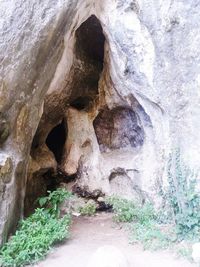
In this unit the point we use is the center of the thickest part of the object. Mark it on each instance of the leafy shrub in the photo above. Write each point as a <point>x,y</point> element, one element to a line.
<point>183,198</point>
<point>53,201</point>
<point>125,210</point>
<point>150,235</point>
<point>143,226</point>
<point>145,213</point>
<point>88,209</point>
<point>36,234</point>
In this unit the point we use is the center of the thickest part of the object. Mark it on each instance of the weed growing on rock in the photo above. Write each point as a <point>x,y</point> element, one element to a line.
<point>88,209</point>
<point>38,233</point>
<point>183,198</point>
<point>124,210</point>
<point>53,201</point>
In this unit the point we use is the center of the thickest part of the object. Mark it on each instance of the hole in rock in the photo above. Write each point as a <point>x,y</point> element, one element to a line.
<point>83,90</point>
<point>118,129</point>
<point>81,103</point>
<point>90,40</point>
<point>56,140</point>
<point>89,52</point>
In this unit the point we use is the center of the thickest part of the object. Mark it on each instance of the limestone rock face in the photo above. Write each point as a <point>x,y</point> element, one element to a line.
<point>99,91</point>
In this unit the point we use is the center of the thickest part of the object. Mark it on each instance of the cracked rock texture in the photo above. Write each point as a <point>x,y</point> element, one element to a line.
<point>115,84</point>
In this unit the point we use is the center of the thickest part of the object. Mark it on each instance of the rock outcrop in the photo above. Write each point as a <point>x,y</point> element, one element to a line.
<point>99,90</point>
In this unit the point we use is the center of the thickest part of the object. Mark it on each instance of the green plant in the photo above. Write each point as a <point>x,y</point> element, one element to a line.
<point>168,227</point>
<point>36,235</point>
<point>53,201</point>
<point>88,209</point>
<point>143,226</point>
<point>127,210</point>
<point>124,210</point>
<point>151,235</point>
<point>183,198</point>
<point>145,213</point>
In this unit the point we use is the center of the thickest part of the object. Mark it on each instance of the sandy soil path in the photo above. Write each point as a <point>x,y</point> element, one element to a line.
<point>90,233</point>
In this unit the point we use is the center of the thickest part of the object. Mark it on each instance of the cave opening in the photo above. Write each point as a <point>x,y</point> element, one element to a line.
<point>82,93</point>
<point>56,140</point>
<point>81,103</point>
<point>88,63</point>
<point>90,40</point>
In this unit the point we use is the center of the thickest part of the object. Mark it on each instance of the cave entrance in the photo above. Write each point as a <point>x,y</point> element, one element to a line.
<point>88,63</point>
<point>81,94</point>
<point>81,103</point>
<point>56,140</point>
<point>90,40</point>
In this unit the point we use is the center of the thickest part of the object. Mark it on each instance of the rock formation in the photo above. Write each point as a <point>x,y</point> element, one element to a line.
<point>97,91</point>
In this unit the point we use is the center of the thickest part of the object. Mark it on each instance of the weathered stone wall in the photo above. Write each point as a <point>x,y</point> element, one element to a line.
<point>151,66</point>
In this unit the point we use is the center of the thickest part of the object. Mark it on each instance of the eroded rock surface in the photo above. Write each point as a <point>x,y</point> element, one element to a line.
<point>121,77</point>
<point>118,129</point>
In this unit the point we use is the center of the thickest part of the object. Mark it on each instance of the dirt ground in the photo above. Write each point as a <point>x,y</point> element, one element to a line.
<point>90,233</point>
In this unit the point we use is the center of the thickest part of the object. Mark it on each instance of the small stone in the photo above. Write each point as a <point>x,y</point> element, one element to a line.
<point>77,214</point>
<point>196,252</point>
<point>101,199</point>
<point>6,170</point>
<point>108,256</point>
